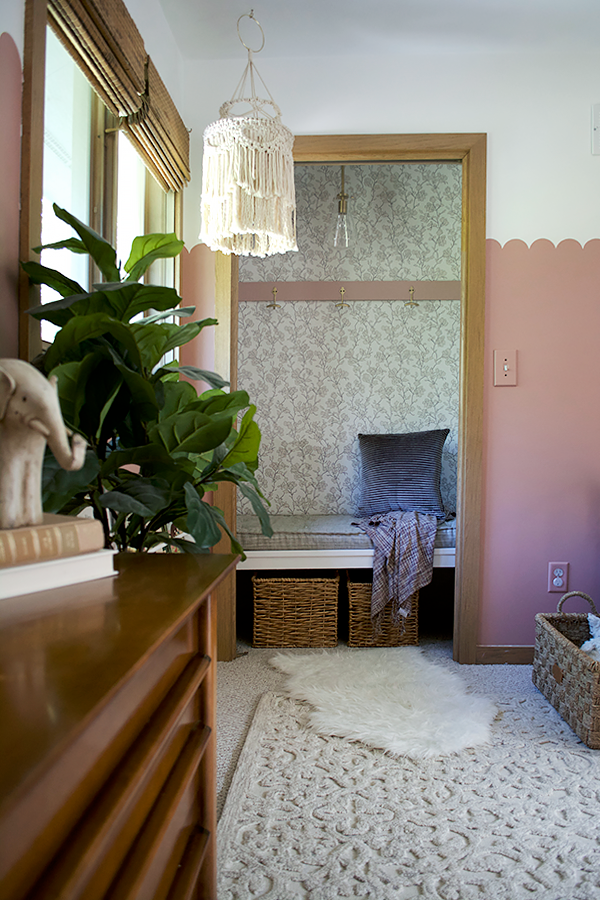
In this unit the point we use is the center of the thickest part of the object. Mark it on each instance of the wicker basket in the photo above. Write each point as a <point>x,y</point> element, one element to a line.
<point>567,677</point>
<point>295,612</point>
<point>361,632</point>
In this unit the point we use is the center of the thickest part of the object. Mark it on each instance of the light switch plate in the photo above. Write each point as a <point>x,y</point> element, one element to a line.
<point>505,368</point>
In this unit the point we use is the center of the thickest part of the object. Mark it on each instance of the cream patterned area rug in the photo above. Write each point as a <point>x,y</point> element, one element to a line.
<point>393,699</point>
<point>309,816</point>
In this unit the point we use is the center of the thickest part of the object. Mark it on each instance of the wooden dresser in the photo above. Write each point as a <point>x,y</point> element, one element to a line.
<point>107,735</point>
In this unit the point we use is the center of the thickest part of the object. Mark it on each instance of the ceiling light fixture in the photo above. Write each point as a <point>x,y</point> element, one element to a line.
<point>248,194</point>
<point>342,237</point>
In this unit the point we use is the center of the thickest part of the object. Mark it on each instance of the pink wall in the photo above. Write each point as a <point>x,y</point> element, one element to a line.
<point>10,135</point>
<point>542,437</point>
<point>198,289</point>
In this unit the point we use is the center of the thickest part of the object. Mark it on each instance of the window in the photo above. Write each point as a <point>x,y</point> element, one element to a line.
<point>71,178</point>
<point>96,75</point>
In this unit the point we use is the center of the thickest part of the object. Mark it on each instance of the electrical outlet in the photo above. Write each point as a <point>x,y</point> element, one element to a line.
<point>558,577</point>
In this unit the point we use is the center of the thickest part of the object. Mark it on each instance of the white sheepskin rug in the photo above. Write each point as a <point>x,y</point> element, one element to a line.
<point>390,698</point>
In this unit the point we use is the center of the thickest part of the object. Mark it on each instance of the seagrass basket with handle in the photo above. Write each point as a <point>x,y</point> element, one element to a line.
<point>567,676</point>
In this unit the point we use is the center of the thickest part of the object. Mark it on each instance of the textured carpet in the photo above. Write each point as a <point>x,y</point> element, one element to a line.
<point>393,699</point>
<point>314,817</point>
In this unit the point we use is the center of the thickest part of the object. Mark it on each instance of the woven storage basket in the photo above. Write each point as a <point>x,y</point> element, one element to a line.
<point>361,632</point>
<point>295,612</point>
<point>567,677</point>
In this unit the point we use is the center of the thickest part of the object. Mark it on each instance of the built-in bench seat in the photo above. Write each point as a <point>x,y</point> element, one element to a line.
<point>322,542</point>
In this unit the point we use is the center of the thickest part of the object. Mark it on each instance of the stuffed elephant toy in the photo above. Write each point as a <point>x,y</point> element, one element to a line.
<point>30,418</point>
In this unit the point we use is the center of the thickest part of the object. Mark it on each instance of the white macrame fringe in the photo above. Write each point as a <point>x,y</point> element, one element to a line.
<point>248,192</point>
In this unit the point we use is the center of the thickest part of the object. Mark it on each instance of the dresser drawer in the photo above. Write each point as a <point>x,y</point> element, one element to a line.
<point>101,839</point>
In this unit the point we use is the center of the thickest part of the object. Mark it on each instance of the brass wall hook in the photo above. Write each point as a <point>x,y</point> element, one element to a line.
<point>274,304</point>
<point>412,301</point>
<point>342,303</point>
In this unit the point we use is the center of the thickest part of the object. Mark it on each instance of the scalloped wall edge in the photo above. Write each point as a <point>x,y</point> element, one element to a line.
<point>546,244</point>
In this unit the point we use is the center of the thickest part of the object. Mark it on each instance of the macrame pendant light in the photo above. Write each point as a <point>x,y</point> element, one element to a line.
<point>248,194</point>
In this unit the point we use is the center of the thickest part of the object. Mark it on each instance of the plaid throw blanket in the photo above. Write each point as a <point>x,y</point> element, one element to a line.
<point>402,558</point>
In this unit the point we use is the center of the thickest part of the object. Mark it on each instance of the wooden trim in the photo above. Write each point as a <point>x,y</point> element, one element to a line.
<point>226,352</point>
<point>32,154</point>
<point>512,655</point>
<point>329,291</point>
<point>470,426</point>
<point>470,149</point>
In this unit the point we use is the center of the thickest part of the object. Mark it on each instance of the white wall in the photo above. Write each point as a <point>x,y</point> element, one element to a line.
<point>154,27</point>
<point>536,109</point>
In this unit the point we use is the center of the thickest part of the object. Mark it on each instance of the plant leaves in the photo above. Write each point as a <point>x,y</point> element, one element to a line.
<point>134,456</point>
<point>100,250</point>
<point>39,274</point>
<point>236,547</point>
<point>195,374</point>
<point>201,522</point>
<point>60,486</point>
<point>182,311</point>
<point>212,402</point>
<point>73,244</point>
<point>147,248</point>
<point>258,507</point>
<point>178,395</point>
<point>191,432</point>
<point>83,328</point>
<point>140,496</point>
<point>245,448</point>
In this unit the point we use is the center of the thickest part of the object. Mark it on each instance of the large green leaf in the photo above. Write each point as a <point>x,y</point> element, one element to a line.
<point>258,507</point>
<point>177,397</point>
<point>201,522</point>
<point>181,334</point>
<point>60,486</point>
<point>142,394</point>
<point>100,250</point>
<point>67,376</point>
<point>84,328</point>
<point>191,432</point>
<point>182,311</point>
<point>196,374</point>
<point>236,547</point>
<point>212,402</point>
<point>140,496</point>
<point>150,296</point>
<point>119,502</point>
<point>151,340</point>
<point>246,446</point>
<point>72,244</point>
<point>147,248</point>
<point>39,274</point>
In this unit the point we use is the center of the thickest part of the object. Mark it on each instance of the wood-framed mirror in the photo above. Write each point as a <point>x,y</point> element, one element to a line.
<point>470,151</point>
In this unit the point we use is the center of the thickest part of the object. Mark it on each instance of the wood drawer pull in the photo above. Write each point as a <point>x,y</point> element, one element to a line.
<point>101,840</point>
<point>134,870</point>
<point>185,881</point>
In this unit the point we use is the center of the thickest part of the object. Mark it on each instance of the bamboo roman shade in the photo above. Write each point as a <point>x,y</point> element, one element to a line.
<point>103,39</point>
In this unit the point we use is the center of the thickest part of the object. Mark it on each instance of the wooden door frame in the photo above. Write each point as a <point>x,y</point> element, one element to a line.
<point>470,151</point>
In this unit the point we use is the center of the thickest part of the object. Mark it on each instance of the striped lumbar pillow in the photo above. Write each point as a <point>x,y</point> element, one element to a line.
<point>402,471</point>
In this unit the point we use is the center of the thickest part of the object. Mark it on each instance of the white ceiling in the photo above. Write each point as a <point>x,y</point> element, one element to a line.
<point>206,29</point>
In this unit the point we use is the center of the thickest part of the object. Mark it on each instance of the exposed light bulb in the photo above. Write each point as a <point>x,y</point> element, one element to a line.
<point>342,237</point>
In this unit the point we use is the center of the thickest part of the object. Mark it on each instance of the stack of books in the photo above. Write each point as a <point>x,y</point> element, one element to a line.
<point>62,550</point>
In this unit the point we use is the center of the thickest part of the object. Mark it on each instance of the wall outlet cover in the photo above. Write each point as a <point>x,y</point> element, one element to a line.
<point>505,368</point>
<point>558,577</point>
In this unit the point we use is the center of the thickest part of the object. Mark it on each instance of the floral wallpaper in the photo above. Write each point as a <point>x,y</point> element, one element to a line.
<point>405,220</point>
<point>320,375</point>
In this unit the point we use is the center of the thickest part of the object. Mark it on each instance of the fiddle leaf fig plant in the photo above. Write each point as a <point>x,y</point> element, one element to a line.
<point>156,447</point>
